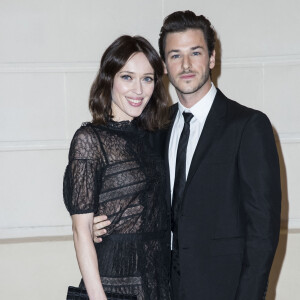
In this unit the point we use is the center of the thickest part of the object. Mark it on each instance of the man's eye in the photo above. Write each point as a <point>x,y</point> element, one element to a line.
<point>126,77</point>
<point>196,53</point>
<point>175,56</point>
<point>148,79</point>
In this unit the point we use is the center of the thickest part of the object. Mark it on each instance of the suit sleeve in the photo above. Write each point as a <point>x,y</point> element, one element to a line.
<point>261,200</point>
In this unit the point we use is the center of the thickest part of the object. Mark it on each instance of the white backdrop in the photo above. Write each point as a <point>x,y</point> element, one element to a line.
<point>49,55</point>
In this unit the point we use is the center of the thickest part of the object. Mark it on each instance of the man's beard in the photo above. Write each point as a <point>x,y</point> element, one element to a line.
<point>202,82</point>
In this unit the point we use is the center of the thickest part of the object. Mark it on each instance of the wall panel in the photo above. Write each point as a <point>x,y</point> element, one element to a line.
<point>49,56</point>
<point>32,106</point>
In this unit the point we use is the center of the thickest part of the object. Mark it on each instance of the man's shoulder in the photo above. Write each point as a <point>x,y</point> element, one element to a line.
<point>173,109</point>
<point>236,109</point>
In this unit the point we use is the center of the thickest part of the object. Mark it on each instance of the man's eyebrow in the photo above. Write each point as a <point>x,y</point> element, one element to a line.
<point>197,47</point>
<point>192,48</point>
<point>173,50</point>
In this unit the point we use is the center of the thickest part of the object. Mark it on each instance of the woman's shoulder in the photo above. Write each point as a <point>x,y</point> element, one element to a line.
<point>85,143</point>
<point>85,131</point>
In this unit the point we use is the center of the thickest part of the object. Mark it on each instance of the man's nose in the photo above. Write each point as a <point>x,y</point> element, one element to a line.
<point>186,63</point>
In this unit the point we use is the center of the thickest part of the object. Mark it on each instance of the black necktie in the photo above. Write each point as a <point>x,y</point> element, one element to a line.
<point>180,174</point>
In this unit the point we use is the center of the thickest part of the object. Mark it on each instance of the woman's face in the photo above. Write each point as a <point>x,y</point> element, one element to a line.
<point>132,88</point>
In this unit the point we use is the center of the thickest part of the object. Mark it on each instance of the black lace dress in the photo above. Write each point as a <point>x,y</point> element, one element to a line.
<point>118,170</point>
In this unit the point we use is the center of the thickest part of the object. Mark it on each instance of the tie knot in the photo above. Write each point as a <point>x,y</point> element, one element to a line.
<point>187,116</point>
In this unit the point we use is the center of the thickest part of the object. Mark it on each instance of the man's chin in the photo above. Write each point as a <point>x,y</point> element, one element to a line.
<point>187,91</point>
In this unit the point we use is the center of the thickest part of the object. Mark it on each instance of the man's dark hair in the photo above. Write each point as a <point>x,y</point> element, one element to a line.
<point>181,21</point>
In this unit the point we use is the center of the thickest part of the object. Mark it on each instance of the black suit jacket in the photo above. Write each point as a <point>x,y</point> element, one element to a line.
<point>229,221</point>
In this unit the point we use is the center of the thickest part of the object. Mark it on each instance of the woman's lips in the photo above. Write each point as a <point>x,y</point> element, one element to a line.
<point>135,101</point>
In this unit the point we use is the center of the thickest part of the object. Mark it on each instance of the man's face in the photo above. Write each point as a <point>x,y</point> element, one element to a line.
<point>188,63</point>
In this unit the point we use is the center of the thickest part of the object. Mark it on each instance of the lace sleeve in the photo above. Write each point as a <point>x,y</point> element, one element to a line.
<point>81,179</point>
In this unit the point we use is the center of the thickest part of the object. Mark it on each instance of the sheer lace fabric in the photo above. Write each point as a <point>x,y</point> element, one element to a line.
<point>114,170</point>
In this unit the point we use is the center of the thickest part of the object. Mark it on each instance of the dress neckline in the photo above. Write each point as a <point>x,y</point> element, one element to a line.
<point>122,125</point>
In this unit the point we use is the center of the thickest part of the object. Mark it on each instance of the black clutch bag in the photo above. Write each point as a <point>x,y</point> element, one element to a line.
<point>78,293</point>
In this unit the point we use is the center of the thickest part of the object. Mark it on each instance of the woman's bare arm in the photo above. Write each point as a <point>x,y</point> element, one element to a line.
<point>86,255</point>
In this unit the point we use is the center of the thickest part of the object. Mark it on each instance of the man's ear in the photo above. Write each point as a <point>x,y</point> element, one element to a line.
<point>212,60</point>
<point>165,68</point>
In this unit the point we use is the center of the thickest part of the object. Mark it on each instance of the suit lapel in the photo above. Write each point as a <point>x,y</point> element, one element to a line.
<point>212,127</point>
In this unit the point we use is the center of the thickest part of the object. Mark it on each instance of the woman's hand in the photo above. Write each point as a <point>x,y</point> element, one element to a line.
<point>100,222</point>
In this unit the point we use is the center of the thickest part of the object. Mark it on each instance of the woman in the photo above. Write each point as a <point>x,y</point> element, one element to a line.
<point>116,169</point>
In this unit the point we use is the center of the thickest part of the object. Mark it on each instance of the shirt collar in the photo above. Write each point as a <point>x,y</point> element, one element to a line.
<point>201,109</point>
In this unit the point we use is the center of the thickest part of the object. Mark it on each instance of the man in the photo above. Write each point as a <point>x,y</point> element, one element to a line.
<point>224,178</point>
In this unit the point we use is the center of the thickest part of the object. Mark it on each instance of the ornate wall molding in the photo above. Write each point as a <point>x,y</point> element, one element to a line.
<point>49,67</point>
<point>285,138</point>
<point>292,226</point>
<point>92,66</point>
<point>34,145</point>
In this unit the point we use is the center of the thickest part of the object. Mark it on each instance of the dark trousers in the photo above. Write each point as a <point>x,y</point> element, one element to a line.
<point>177,292</point>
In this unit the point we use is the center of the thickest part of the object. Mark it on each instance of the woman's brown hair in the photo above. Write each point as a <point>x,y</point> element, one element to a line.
<point>155,115</point>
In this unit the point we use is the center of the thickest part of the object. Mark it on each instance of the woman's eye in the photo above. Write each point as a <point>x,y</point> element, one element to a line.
<point>148,79</point>
<point>126,77</point>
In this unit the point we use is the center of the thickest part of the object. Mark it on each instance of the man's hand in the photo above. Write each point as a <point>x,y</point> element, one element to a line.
<point>100,222</point>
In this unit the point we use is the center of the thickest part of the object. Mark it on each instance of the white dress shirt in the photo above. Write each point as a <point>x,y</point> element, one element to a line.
<point>200,111</point>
